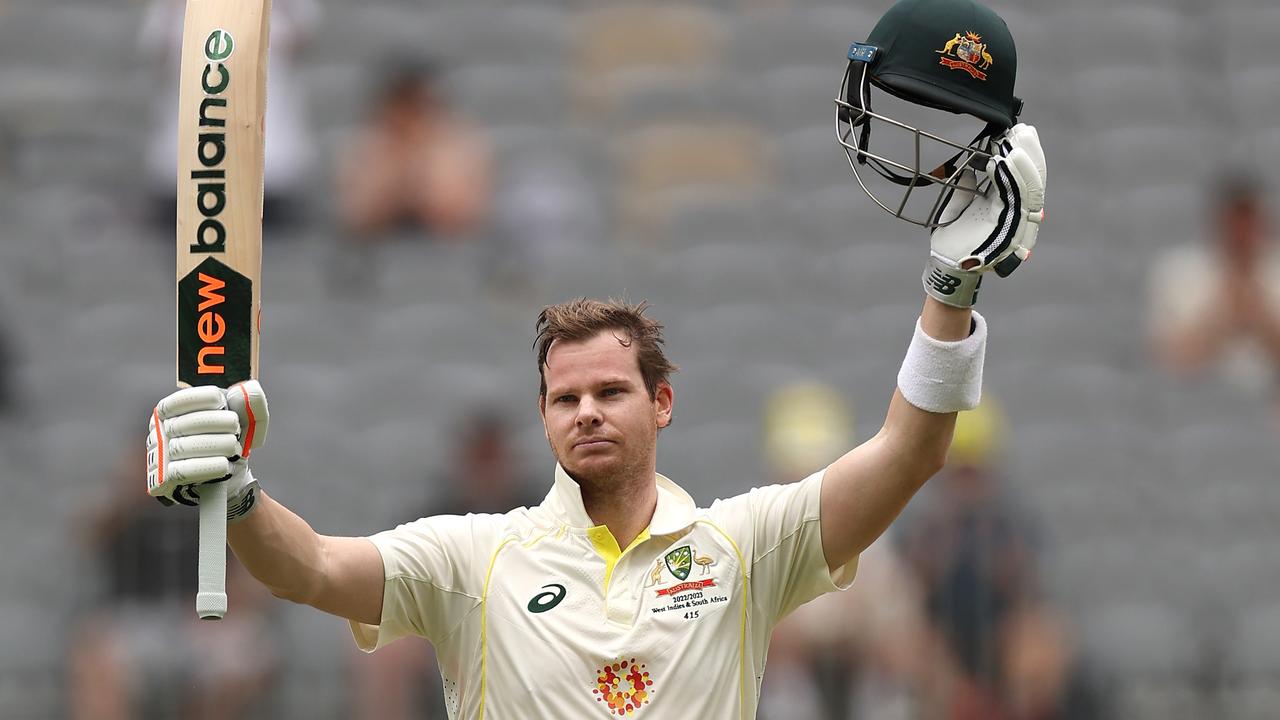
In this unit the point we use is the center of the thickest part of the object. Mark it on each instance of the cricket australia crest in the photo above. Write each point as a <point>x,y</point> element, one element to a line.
<point>967,52</point>
<point>680,561</point>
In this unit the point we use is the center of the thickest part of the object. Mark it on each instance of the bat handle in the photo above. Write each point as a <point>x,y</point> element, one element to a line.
<point>211,593</point>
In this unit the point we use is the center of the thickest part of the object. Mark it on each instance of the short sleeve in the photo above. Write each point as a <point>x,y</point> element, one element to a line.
<point>784,527</point>
<point>432,576</point>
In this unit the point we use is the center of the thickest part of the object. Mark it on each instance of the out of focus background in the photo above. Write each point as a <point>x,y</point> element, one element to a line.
<point>1102,544</point>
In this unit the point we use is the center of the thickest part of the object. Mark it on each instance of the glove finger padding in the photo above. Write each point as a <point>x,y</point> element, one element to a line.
<point>204,422</point>
<point>1027,211</point>
<point>189,400</point>
<point>175,479</point>
<point>249,402</point>
<point>190,438</point>
<point>194,471</point>
<point>1026,137</point>
<point>198,446</point>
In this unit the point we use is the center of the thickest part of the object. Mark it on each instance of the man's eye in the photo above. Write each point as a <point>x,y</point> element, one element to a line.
<point>564,399</point>
<point>612,391</point>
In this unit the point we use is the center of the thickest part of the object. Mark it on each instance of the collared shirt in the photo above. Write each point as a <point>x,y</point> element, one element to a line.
<point>537,613</point>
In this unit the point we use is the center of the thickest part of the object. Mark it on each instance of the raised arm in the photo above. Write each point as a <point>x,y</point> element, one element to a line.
<point>339,575</point>
<point>867,488</point>
<point>206,434</point>
<point>864,490</point>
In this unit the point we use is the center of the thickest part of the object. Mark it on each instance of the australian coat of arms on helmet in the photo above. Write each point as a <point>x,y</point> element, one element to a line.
<point>967,52</point>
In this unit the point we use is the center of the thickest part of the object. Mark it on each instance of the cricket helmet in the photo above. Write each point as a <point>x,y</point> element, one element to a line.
<point>950,55</point>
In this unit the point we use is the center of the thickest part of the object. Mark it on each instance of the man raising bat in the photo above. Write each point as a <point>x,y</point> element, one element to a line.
<point>617,595</point>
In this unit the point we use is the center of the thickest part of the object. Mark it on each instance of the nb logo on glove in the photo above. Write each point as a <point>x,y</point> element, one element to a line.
<point>943,282</point>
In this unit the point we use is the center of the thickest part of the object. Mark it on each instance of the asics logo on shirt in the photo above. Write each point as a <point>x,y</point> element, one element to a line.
<point>544,601</point>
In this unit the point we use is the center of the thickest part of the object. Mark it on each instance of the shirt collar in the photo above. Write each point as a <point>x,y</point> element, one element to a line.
<point>674,512</point>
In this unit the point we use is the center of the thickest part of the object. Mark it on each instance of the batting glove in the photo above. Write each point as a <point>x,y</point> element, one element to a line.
<point>205,434</point>
<point>997,231</point>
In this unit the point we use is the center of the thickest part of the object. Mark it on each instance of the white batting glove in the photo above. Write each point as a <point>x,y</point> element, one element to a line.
<point>997,231</point>
<point>205,434</point>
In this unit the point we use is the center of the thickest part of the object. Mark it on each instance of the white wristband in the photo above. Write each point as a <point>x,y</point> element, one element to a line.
<point>944,377</point>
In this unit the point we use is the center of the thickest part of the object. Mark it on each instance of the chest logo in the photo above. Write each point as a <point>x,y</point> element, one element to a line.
<point>547,599</point>
<point>623,686</point>
<point>686,593</point>
<point>680,561</point>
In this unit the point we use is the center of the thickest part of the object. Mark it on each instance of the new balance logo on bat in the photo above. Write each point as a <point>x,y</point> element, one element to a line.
<point>211,326</point>
<point>215,300</point>
<point>211,145</point>
<point>214,325</point>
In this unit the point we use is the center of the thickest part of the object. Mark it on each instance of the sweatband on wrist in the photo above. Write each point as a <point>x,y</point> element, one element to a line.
<point>944,376</point>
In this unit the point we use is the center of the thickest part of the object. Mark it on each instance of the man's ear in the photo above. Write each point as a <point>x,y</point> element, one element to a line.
<point>664,400</point>
<point>542,412</point>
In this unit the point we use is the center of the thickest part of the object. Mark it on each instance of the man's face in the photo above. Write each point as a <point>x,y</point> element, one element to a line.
<point>598,416</point>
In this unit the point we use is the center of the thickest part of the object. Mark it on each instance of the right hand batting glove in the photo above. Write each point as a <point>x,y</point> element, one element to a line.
<point>205,434</point>
<point>997,231</point>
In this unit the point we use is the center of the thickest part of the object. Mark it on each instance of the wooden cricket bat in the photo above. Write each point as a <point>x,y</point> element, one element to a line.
<point>222,104</point>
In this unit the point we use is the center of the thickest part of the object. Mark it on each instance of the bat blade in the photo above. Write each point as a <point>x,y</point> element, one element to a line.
<point>222,104</point>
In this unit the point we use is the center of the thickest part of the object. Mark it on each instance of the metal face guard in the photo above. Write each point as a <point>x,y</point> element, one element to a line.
<point>853,132</point>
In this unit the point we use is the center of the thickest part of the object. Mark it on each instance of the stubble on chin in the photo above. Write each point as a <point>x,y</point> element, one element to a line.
<point>596,478</point>
<point>599,477</point>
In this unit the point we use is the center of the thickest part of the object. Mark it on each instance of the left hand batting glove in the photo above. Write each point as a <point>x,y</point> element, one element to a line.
<point>204,434</point>
<point>997,231</point>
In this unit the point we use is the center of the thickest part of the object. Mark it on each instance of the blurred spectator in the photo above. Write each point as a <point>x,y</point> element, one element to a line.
<point>401,681</point>
<point>849,654</point>
<point>290,154</point>
<point>1002,652</point>
<point>415,166</point>
<point>144,653</point>
<point>1219,307</point>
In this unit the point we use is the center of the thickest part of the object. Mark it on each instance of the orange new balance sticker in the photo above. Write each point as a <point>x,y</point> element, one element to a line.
<point>623,687</point>
<point>968,53</point>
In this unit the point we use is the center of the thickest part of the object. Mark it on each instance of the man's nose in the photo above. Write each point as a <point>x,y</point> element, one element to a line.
<point>588,413</point>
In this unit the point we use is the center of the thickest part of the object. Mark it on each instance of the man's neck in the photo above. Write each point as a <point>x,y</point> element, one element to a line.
<point>625,509</point>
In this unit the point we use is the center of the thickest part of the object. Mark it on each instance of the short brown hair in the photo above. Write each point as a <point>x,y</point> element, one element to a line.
<point>581,318</point>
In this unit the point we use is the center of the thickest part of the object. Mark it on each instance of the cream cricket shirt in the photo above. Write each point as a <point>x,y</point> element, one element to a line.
<point>537,614</point>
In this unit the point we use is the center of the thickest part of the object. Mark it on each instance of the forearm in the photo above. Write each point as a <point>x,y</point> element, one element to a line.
<point>867,488</point>
<point>891,467</point>
<point>943,322</point>
<point>279,549</point>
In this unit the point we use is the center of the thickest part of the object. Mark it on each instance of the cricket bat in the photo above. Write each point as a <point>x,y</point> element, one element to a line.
<point>222,104</point>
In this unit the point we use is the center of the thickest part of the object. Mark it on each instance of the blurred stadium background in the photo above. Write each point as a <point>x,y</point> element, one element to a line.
<point>699,136</point>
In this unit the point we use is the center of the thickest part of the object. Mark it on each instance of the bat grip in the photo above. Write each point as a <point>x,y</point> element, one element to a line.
<point>211,592</point>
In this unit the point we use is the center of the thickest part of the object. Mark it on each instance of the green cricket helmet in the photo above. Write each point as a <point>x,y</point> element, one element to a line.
<point>951,55</point>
